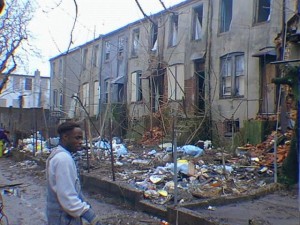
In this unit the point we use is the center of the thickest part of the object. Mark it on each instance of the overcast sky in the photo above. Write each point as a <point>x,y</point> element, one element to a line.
<point>52,24</point>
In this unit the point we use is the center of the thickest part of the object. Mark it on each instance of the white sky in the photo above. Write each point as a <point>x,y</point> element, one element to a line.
<point>51,25</point>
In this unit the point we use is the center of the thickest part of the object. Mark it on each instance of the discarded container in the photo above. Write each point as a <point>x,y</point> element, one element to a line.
<point>1,148</point>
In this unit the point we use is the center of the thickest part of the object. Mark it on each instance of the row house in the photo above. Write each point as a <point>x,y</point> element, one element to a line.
<point>65,82</point>
<point>26,91</point>
<point>207,60</point>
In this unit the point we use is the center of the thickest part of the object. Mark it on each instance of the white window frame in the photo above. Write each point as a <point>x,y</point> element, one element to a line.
<point>175,75</point>
<point>85,94</point>
<point>96,97</point>
<point>136,86</point>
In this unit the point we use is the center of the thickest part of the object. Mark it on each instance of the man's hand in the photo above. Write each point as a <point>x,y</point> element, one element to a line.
<point>96,221</point>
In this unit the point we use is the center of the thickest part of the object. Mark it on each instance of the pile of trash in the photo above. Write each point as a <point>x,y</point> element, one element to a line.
<point>202,170</point>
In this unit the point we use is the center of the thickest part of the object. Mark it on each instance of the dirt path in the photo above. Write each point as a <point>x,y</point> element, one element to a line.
<point>24,204</point>
<point>279,208</point>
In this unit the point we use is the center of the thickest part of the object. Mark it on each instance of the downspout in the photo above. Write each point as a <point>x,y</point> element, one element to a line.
<point>208,59</point>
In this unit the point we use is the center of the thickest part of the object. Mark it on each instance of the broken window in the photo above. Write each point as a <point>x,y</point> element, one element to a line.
<point>232,75</point>
<point>136,84</point>
<point>176,82</point>
<point>84,59</point>
<point>173,31</point>
<point>231,127</point>
<point>28,84</point>
<point>154,32</point>
<point>85,94</point>
<point>226,15</point>
<point>263,11</point>
<point>96,97</point>
<point>107,50</point>
<point>135,42</point>
<point>95,55</point>
<point>197,23</point>
<point>121,43</point>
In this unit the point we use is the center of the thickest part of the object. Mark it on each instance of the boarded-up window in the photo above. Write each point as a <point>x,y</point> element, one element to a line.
<point>176,82</point>
<point>136,87</point>
<point>96,96</point>
<point>85,94</point>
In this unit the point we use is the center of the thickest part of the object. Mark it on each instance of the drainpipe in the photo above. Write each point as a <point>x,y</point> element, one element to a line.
<point>208,57</point>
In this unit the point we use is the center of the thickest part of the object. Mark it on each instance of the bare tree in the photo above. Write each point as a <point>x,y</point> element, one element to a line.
<point>14,35</point>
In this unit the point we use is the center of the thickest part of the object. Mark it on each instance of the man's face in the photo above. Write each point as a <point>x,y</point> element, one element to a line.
<point>73,140</point>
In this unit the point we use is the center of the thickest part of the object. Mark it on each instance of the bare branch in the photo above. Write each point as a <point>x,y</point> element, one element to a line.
<point>141,9</point>
<point>73,27</point>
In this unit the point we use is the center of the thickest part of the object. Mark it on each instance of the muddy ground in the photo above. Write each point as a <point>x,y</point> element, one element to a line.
<point>276,208</point>
<point>25,201</point>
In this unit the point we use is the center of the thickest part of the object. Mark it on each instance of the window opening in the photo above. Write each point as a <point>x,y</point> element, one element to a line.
<point>226,15</point>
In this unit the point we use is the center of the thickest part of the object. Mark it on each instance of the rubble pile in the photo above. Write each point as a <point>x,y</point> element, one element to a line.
<point>202,172</point>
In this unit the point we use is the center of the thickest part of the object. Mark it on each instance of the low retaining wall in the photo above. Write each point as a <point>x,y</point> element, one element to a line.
<point>182,214</point>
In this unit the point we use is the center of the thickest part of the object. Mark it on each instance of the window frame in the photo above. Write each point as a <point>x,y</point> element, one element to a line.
<point>135,42</point>
<point>225,18</point>
<point>195,21</point>
<point>107,51</point>
<point>229,75</point>
<point>174,28</point>
<point>28,86</point>
<point>137,89</point>
<point>84,59</point>
<point>259,15</point>
<point>95,55</point>
<point>154,37</point>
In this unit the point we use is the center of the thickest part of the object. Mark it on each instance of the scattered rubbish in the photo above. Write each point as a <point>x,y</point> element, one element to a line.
<point>156,179</point>
<point>152,152</point>
<point>163,193</point>
<point>212,208</point>
<point>191,150</point>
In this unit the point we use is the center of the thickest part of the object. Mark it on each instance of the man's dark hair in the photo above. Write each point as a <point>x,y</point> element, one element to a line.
<point>66,127</point>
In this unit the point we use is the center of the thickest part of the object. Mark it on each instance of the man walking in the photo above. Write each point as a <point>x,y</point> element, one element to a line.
<point>65,202</point>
